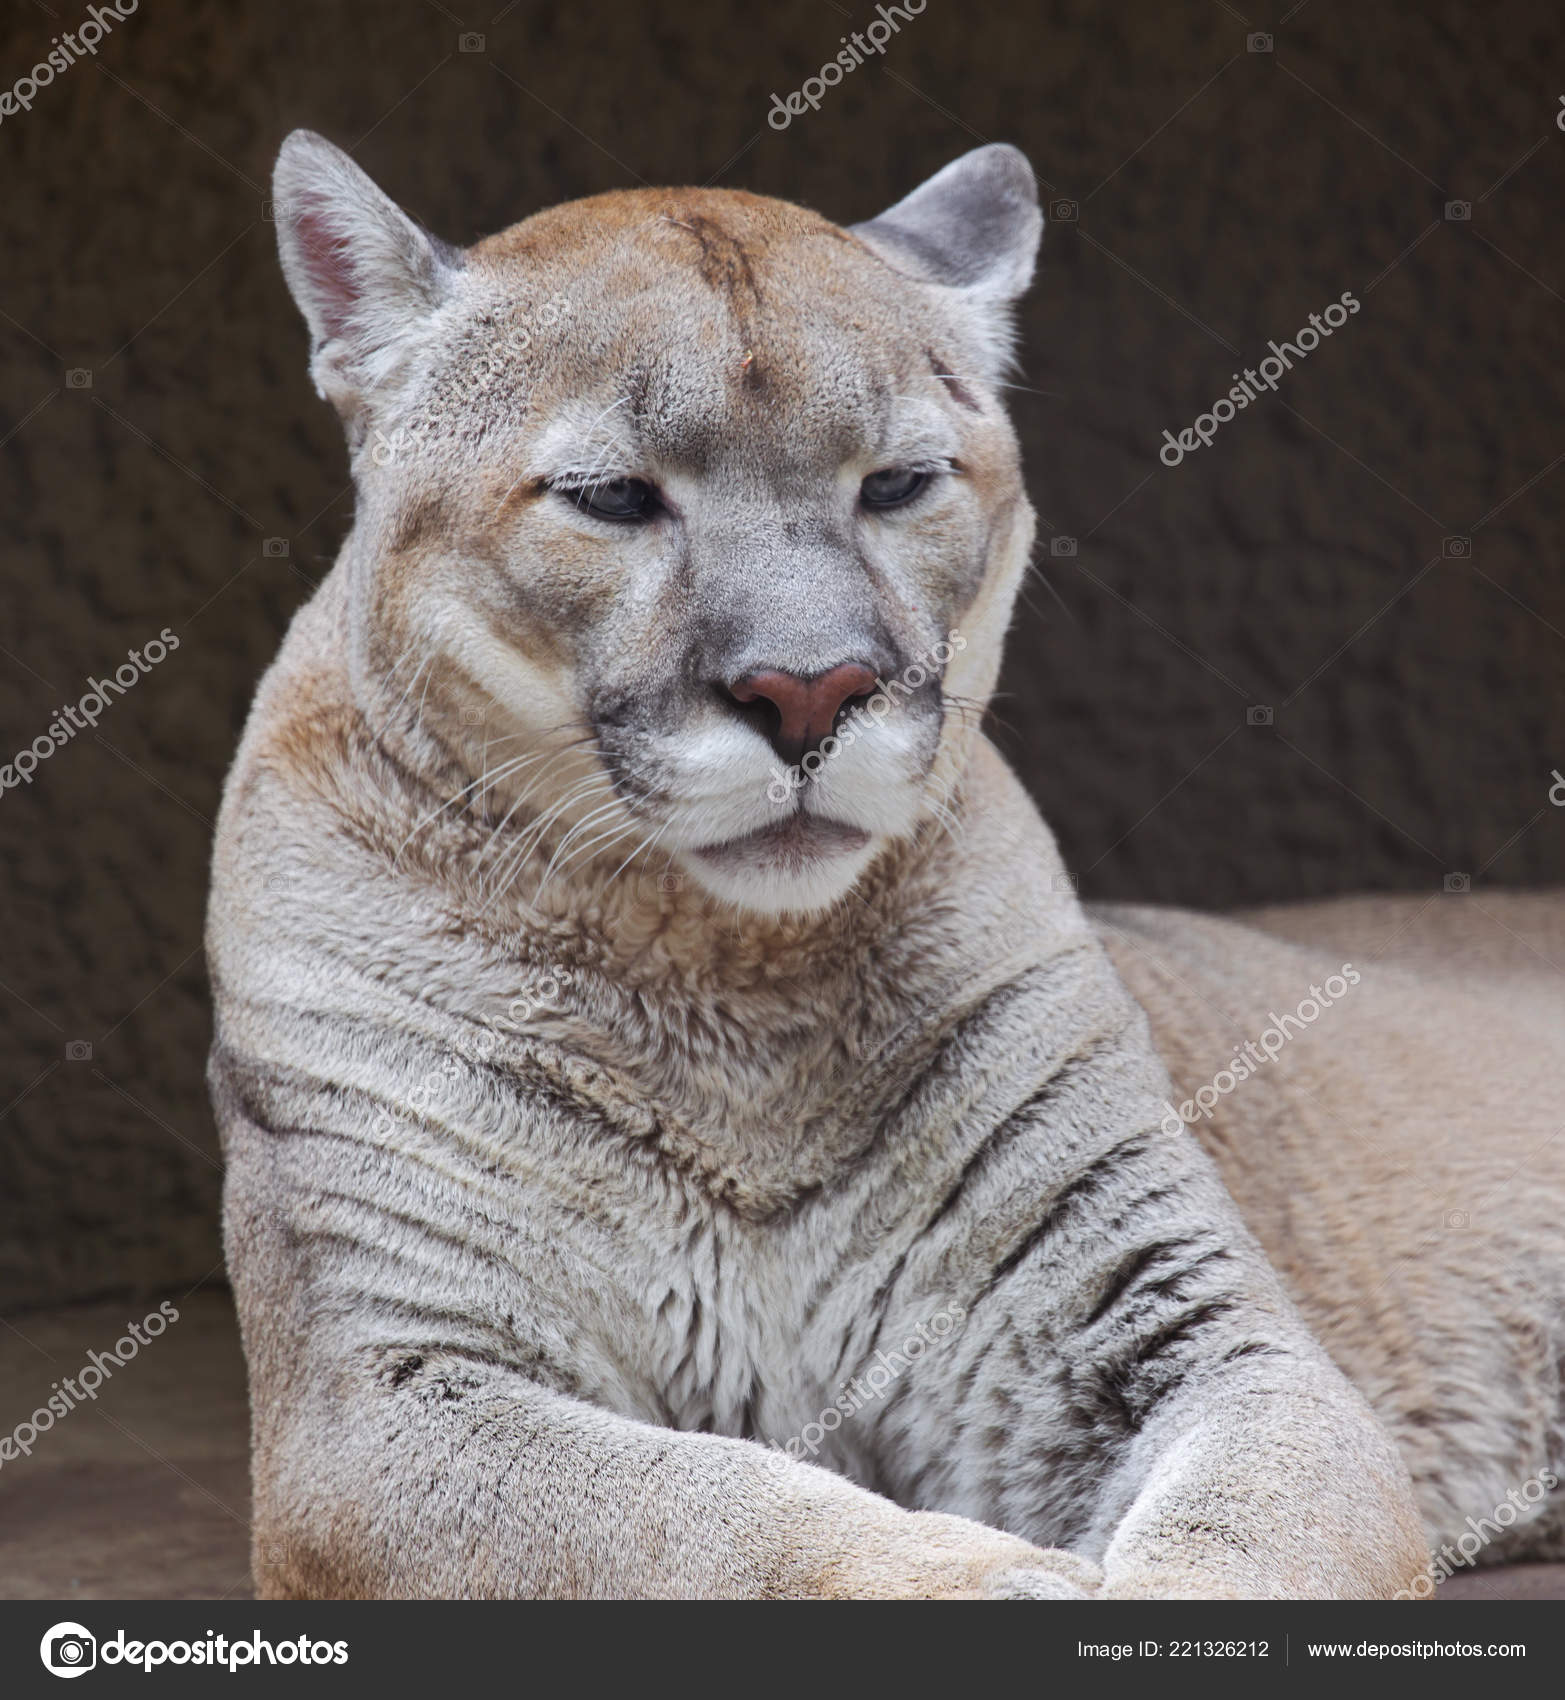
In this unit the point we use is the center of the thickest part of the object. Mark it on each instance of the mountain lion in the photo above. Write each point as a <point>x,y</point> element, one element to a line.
<point>684,1136</point>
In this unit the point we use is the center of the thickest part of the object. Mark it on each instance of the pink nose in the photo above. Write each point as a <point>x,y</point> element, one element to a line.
<point>806,709</point>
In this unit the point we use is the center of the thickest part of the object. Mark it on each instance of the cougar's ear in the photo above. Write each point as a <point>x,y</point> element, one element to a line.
<point>365,276</point>
<point>974,227</point>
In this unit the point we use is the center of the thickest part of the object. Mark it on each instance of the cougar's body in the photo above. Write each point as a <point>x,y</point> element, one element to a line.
<point>1401,1162</point>
<point>672,1152</point>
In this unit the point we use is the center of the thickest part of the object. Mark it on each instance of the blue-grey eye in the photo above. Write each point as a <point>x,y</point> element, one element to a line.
<point>615,498</point>
<point>893,487</point>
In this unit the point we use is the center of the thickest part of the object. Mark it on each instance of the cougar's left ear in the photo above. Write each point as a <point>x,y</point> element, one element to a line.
<point>974,227</point>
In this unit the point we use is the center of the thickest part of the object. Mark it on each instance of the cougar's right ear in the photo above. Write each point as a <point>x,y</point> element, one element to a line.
<point>364,275</point>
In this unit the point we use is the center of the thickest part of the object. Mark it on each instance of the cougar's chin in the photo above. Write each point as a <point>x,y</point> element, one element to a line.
<point>800,863</point>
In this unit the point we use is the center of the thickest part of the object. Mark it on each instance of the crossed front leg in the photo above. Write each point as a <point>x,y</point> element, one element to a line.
<point>428,1474</point>
<point>425,1474</point>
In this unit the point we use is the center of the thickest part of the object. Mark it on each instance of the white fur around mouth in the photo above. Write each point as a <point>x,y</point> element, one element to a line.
<point>790,845</point>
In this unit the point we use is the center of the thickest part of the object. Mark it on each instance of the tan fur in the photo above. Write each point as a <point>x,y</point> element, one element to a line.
<point>1402,1160</point>
<point>593,1116</point>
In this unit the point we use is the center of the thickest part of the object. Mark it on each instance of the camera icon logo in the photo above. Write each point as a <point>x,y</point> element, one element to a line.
<point>68,1649</point>
<point>1456,548</point>
<point>78,1050</point>
<point>386,448</point>
<point>275,546</point>
<point>1458,882</point>
<point>78,378</point>
<point>671,882</point>
<point>277,212</point>
<point>470,42</point>
<point>472,715</point>
<point>1458,1219</point>
<point>1258,714</point>
<point>1065,882</point>
<point>1258,42</point>
<point>1059,546</point>
<point>1459,212</point>
<point>1064,212</point>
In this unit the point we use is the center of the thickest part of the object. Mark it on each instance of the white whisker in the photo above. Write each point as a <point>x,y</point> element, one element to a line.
<point>648,843</point>
<point>534,834</point>
<point>515,764</point>
<point>586,821</point>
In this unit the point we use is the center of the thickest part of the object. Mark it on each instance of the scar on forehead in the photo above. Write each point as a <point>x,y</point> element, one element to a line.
<point>726,264</point>
<point>957,389</point>
<point>727,267</point>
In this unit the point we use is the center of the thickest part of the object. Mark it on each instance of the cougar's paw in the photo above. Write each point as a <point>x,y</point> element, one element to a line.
<point>1059,1576</point>
<point>951,1558</point>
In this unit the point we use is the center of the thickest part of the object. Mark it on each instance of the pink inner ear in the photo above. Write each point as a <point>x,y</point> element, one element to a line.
<point>335,285</point>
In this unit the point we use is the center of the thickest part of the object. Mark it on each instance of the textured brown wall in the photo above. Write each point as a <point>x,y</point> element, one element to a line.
<point>1224,196</point>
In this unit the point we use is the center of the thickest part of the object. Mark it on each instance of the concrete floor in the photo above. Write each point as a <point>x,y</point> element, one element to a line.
<point>144,1493</point>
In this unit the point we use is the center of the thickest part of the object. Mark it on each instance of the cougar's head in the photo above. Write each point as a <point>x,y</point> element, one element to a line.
<point>688,522</point>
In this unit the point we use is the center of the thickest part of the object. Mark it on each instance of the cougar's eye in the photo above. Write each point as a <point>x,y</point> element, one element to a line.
<point>613,498</point>
<point>892,487</point>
